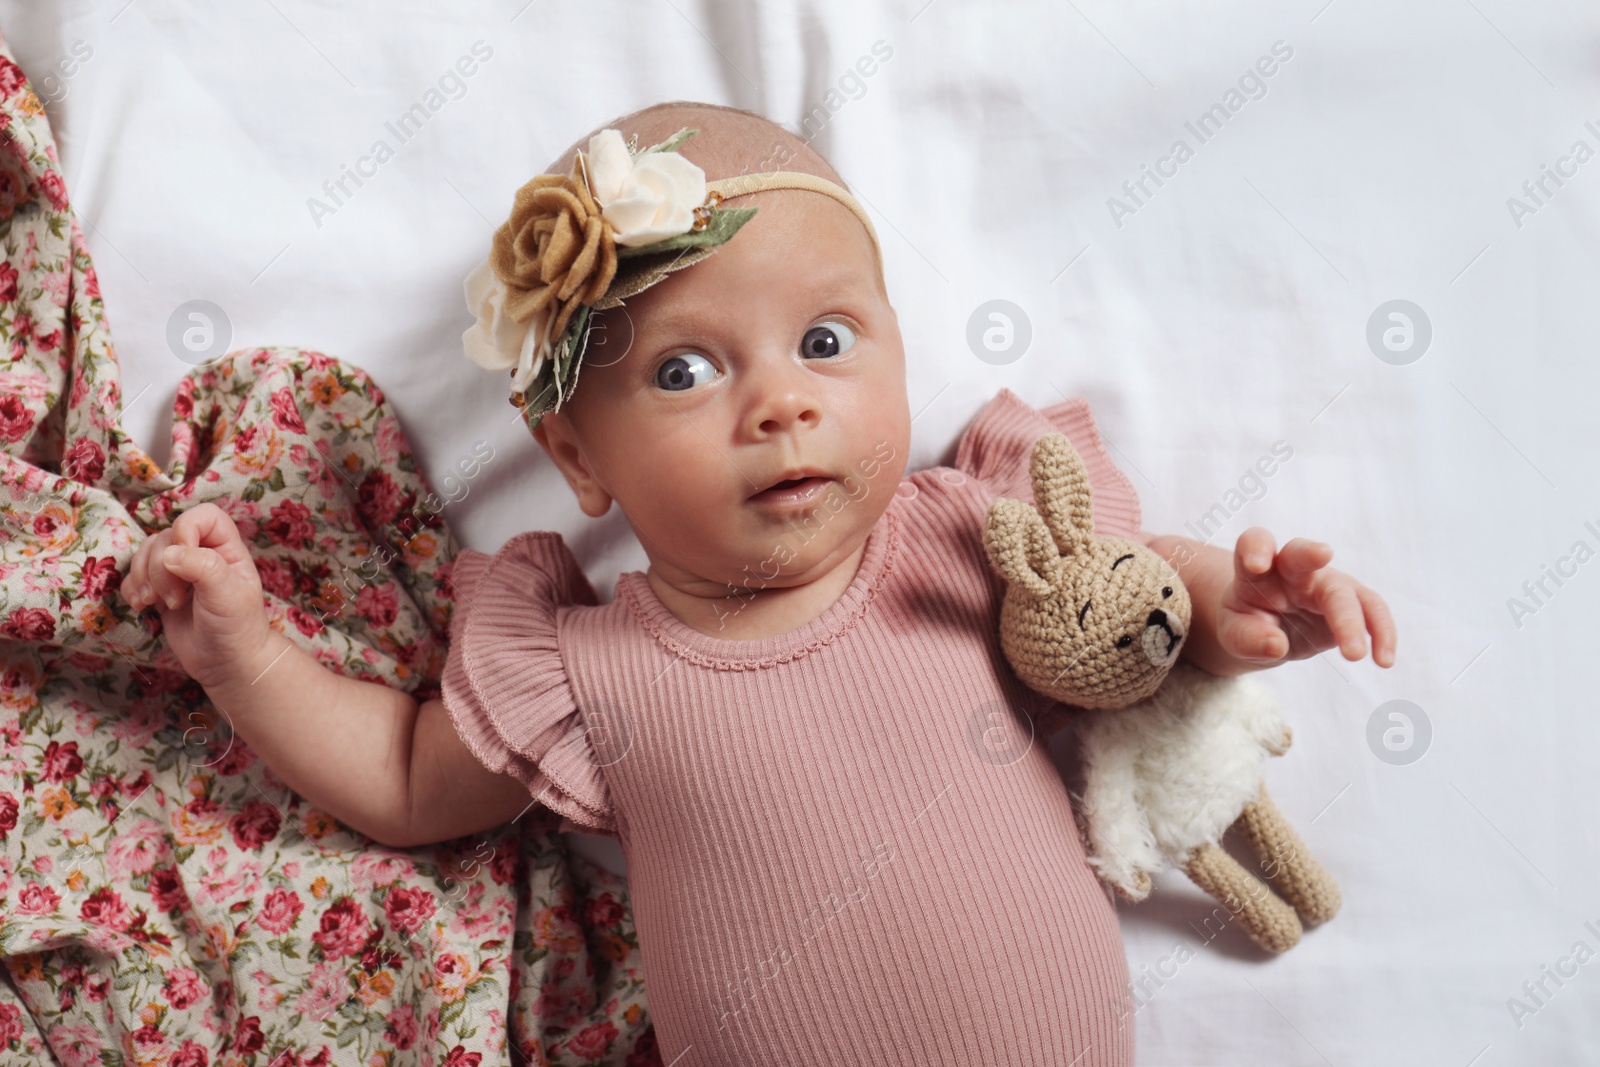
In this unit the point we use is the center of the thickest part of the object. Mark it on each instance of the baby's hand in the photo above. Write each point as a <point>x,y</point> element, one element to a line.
<point>219,631</point>
<point>1295,605</point>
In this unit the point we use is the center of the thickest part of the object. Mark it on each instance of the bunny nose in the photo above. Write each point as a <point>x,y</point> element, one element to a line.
<point>1161,639</point>
<point>1161,619</point>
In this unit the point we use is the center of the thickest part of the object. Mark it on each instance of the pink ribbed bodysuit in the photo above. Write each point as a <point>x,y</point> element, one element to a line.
<point>842,845</point>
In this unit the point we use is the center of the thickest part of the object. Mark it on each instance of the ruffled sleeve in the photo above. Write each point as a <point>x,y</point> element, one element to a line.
<point>996,447</point>
<point>505,685</point>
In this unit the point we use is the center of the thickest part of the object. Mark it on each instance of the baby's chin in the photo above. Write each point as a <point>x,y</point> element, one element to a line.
<point>783,549</point>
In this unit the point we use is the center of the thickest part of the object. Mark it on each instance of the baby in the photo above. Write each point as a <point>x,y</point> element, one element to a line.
<point>787,719</point>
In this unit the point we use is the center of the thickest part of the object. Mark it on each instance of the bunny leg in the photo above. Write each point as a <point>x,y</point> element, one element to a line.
<point>1269,921</point>
<point>1293,871</point>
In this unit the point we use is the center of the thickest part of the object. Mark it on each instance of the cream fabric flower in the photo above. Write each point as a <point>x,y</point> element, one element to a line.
<point>610,163</point>
<point>646,198</point>
<point>495,341</point>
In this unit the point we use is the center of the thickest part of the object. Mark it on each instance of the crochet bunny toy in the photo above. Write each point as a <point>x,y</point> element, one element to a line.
<point>1172,755</point>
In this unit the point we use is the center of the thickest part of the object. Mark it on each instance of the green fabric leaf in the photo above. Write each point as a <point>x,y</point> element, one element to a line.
<point>723,224</point>
<point>569,351</point>
<point>671,143</point>
<point>641,272</point>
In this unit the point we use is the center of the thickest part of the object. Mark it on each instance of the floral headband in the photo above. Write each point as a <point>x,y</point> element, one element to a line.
<point>620,222</point>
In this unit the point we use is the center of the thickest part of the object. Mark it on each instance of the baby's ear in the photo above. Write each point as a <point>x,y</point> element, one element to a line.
<point>1018,544</point>
<point>559,441</point>
<point>1061,492</point>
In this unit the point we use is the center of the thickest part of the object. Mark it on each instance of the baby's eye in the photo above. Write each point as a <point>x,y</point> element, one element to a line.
<point>684,372</point>
<point>827,339</point>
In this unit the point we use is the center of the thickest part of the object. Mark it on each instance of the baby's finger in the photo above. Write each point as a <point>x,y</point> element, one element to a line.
<point>1302,557</point>
<point>165,586</point>
<point>215,585</point>
<point>1253,637</point>
<point>1252,555</point>
<point>136,587</point>
<point>1342,612</point>
<point>130,581</point>
<point>208,526</point>
<point>1381,624</point>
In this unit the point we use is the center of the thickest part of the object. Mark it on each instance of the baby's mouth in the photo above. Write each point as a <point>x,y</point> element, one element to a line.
<point>802,489</point>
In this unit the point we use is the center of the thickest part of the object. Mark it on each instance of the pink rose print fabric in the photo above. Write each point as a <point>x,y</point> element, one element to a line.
<point>164,898</point>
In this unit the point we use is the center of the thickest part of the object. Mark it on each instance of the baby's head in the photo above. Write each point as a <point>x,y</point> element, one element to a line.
<point>774,361</point>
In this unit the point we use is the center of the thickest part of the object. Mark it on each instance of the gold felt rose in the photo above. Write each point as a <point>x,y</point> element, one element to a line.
<point>556,250</point>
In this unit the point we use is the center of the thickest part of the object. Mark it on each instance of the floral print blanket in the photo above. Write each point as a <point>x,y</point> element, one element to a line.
<point>164,898</point>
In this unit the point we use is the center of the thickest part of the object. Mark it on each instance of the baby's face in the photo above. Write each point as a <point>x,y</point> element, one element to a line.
<point>749,412</point>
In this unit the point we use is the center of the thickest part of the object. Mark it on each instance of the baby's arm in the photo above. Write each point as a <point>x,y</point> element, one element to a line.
<point>1256,607</point>
<point>368,754</point>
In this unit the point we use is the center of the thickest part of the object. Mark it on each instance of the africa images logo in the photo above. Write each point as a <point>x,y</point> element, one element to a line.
<point>1252,85</point>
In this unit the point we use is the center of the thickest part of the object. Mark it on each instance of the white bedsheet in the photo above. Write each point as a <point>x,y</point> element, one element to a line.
<point>1207,319</point>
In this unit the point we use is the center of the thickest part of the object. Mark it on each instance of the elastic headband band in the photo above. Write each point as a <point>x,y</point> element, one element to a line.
<point>741,184</point>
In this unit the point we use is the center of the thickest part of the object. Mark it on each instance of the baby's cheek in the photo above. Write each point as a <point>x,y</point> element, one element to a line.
<point>880,447</point>
<point>685,506</point>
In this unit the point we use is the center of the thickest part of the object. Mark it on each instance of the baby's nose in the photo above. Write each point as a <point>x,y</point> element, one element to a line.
<point>805,416</point>
<point>783,409</point>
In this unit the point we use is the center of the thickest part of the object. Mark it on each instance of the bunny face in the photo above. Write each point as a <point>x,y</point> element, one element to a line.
<point>1106,635</point>
<point>1095,622</point>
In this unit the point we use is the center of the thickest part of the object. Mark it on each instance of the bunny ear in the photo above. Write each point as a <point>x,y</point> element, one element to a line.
<point>1018,544</point>
<point>1061,492</point>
